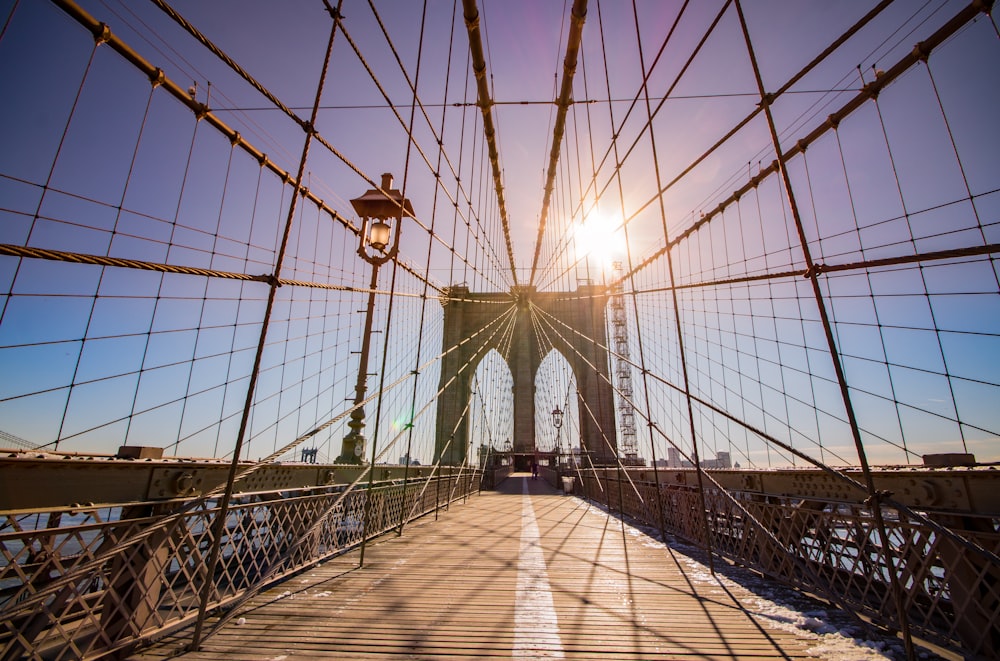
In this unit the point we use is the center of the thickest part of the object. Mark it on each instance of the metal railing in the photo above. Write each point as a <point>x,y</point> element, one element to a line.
<point>945,559</point>
<point>492,477</point>
<point>88,581</point>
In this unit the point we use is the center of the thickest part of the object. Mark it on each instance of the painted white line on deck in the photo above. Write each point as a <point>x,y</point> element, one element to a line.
<point>536,627</point>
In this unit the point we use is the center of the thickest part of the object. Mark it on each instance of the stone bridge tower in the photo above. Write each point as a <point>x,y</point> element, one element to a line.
<point>578,331</point>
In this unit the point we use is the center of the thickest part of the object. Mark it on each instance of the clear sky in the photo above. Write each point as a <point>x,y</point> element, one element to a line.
<point>99,356</point>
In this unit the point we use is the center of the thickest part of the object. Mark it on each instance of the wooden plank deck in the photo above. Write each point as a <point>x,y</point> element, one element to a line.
<point>506,575</point>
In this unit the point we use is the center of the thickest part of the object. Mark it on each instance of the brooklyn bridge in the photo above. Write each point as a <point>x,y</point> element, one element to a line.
<point>506,329</point>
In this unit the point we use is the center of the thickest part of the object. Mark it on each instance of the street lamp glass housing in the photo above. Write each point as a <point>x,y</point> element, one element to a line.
<point>379,207</point>
<point>557,417</point>
<point>378,235</point>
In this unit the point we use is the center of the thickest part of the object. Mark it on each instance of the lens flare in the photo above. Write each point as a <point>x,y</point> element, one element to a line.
<point>600,239</point>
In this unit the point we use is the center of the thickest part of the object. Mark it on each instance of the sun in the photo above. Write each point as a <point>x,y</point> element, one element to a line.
<point>600,239</point>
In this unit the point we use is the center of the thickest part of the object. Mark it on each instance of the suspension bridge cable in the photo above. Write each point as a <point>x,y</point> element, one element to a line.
<point>170,54</point>
<point>873,494</point>
<point>411,140</point>
<point>683,357</point>
<point>52,167</point>
<point>868,278</point>
<point>628,251</point>
<point>103,35</point>
<point>577,18</point>
<point>504,324</point>
<point>923,279</point>
<point>840,475</point>
<point>307,126</point>
<point>614,145</point>
<point>427,266</point>
<point>436,134</point>
<point>392,288</point>
<point>923,49</point>
<point>958,160</point>
<point>646,126</point>
<point>220,519</point>
<point>785,88</point>
<point>321,517</point>
<point>471,14</point>
<point>617,128</point>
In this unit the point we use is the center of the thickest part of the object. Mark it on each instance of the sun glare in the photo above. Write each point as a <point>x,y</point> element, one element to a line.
<point>600,239</point>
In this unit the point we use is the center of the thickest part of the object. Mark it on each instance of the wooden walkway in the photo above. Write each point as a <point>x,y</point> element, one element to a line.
<point>507,575</point>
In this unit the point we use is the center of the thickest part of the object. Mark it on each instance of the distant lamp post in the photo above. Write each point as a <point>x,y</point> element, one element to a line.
<point>557,422</point>
<point>378,209</point>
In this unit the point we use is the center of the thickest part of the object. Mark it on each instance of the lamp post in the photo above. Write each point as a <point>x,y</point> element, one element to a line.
<point>557,422</point>
<point>557,418</point>
<point>377,208</point>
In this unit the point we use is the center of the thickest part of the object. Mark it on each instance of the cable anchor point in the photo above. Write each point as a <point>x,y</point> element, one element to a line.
<point>814,271</point>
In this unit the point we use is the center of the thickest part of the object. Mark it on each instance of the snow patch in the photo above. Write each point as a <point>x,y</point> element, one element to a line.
<point>830,641</point>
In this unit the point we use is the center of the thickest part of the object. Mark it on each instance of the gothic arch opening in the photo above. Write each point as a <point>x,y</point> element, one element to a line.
<point>557,436</point>
<point>574,325</point>
<point>491,408</point>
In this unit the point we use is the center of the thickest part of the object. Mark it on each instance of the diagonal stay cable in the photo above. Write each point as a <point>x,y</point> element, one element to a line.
<point>97,561</point>
<point>320,518</point>
<point>103,35</point>
<point>202,111</point>
<point>920,52</point>
<point>800,562</point>
<point>847,34</point>
<point>839,475</point>
<point>436,133</point>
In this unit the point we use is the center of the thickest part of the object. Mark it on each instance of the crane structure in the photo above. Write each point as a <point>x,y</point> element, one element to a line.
<point>623,371</point>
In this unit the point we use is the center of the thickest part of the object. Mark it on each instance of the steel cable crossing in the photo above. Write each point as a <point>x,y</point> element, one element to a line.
<point>819,268</point>
<point>593,191</point>
<point>810,271</point>
<point>103,36</point>
<point>502,324</point>
<point>542,320</point>
<point>870,91</point>
<point>677,270</point>
<point>202,112</point>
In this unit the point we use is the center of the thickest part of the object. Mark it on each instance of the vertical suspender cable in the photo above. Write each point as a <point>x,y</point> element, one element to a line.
<point>427,267</point>
<point>631,267</point>
<point>99,38</point>
<point>392,291</point>
<point>220,520</point>
<point>100,280</point>
<point>874,496</point>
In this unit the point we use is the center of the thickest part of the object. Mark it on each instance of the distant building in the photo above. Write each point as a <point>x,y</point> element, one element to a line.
<point>674,460</point>
<point>405,459</point>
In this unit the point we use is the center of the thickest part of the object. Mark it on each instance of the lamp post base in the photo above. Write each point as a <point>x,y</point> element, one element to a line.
<point>352,450</point>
